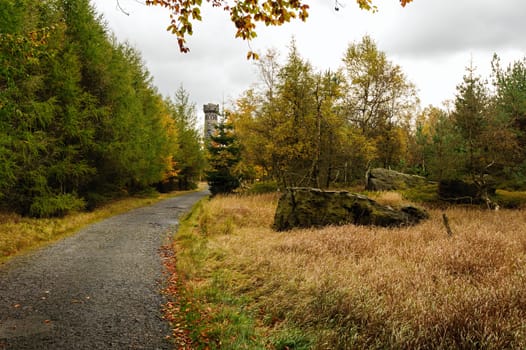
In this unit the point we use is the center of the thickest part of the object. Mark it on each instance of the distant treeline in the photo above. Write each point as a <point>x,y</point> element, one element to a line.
<point>303,127</point>
<point>80,121</point>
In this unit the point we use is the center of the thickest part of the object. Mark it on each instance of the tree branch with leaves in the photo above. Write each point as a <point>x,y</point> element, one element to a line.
<point>244,14</point>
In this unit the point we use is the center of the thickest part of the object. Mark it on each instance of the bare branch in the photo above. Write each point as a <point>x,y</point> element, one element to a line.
<point>121,9</point>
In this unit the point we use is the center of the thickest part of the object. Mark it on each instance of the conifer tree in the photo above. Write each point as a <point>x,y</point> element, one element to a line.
<point>436,147</point>
<point>487,141</point>
<point>79,118</point>
<point>189,157</point>
<point>510,84</point>
<point>292,121</point>
<point>223,157</point>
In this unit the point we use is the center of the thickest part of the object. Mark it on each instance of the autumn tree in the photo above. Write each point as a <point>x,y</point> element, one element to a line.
<point>281,130</point>
<point>246,117</point>
<point>268,68</point>
<point>255,117</point>
<point>293,129</point>
<point>379,100</point>
<point>322,129</point>
<point>243,14</point>
<point>189,158</point>
<point>329,136</point>
<point>292,144</point>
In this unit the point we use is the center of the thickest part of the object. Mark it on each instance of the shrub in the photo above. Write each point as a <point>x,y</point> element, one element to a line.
<point>426,193</point>
<point>55,205</point>
<point>263,187</point>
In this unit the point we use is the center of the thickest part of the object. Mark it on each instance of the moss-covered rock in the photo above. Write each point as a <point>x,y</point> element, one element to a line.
<point>380,179</point>
<point>308,207</point>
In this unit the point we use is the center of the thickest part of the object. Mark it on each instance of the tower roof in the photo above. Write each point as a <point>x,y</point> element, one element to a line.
<point>211,108</point>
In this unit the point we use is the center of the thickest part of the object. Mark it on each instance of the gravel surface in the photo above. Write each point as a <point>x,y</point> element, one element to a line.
<point>98,289</point>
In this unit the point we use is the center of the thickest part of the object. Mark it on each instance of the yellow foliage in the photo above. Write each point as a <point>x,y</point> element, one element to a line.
<point>243,14</point>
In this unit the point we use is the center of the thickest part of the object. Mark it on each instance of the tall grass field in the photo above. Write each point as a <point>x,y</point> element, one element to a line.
<point>245,286</point>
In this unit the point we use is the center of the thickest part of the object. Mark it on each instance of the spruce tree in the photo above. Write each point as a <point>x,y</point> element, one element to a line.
<point>224,155</point>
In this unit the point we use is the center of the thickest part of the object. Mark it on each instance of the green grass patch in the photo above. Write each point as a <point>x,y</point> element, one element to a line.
<point>212,316</point>
<point>291,338</point>
<point>422,194</point>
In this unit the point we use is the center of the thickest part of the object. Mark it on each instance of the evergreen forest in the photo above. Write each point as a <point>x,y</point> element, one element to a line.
<point>80,121</point>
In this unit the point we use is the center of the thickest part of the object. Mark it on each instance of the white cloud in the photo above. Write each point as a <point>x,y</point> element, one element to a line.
<point>430,28</point>
<point>432,40</point>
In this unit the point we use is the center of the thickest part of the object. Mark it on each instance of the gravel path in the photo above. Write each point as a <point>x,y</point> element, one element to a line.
<point>98,289</point>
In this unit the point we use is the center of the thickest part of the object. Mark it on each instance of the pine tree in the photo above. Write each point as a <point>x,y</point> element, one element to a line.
<point>510,84</point>
<point>437,143</point>
<point>471,119</point>
<point>223,157</point>
<point>488,142</point>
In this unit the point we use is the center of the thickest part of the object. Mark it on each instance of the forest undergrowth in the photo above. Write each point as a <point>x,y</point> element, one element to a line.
<point>242,285</point>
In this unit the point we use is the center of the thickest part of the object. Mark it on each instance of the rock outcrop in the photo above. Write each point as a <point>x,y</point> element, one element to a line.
<point>308,207</point>
<point>380,179</point>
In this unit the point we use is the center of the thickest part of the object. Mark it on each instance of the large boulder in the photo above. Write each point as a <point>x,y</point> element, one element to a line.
<point>308,207</point>
<point>380,179</point>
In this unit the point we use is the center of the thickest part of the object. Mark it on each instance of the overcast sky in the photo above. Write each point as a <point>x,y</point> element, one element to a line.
<point>432,40</point>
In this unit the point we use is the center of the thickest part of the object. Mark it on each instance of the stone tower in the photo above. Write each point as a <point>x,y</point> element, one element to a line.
<point>211,118</point>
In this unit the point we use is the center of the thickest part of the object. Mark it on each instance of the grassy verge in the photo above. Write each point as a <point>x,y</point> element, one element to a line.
<point>21,234</point>
<point>205,313</point>
<point>348,287</point>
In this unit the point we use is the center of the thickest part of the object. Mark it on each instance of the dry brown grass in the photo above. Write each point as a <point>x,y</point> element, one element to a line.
<point>357,287</point>
<point>389,198</point>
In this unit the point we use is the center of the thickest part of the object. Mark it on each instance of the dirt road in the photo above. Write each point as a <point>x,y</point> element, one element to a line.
<point>98,289</point>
